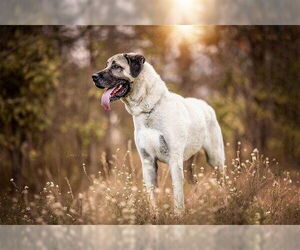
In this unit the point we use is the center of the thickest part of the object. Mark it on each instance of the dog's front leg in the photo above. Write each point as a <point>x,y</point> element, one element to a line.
<point>150,179</point>
<point>176,169</point>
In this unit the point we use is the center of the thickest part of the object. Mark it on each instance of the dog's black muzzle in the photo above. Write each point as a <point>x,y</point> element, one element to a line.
<point>99,80</point>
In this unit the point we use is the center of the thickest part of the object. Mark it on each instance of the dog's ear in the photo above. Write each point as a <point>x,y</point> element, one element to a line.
<point>136,63</point>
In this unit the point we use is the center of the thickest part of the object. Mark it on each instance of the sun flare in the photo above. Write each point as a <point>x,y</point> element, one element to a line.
<point>186,11</point>
<point>187,33</point>
<point>185,30</point>
<point>185,4</point>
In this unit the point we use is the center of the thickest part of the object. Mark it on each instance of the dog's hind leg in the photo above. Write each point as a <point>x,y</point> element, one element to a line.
<point>214,146</point>
<point>214,149</point>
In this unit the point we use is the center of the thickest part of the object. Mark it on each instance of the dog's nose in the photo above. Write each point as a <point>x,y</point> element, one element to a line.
<point>95,77</point>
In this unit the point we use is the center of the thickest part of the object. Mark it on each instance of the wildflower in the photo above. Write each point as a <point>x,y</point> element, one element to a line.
<point>122,204</point>
<point>72,211</point>
<point>168,190</point>
<point>125,210</point>
<point>56,205</point>
<point>132,217</point>
<point>166,206</point>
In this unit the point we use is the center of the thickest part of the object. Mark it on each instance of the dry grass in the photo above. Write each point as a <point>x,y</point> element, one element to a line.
<point>254,192</point>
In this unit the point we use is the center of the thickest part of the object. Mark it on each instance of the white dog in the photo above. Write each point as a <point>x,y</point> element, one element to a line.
<point>168,127</point>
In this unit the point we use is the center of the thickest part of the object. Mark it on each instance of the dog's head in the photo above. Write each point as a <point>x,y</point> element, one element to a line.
<point>118,76</point>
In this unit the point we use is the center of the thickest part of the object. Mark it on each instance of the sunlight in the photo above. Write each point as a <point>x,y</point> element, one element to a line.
<point>185,30</point>
<point>185,4</point>
<point>186,11</point>
<point>187,33</point>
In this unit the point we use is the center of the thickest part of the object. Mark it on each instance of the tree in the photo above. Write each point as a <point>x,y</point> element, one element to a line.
<point>263,72</point>
<point>28,71</point>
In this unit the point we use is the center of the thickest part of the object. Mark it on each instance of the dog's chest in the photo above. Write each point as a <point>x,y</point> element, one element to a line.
<point>149,138</point>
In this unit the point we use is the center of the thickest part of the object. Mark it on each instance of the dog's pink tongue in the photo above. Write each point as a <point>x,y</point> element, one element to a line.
<point>105,99</point>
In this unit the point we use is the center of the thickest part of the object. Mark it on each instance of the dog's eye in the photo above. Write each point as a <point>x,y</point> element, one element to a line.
<point>115,66</point>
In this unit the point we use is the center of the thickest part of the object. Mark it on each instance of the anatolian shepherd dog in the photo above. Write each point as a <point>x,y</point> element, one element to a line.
<point>167,127</point>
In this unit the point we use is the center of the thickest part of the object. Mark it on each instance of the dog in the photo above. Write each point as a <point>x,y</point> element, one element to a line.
<point>167,127</point>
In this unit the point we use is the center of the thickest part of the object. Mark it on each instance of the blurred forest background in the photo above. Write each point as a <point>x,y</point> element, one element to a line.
<point>52,125</point>
<point>116,12</point>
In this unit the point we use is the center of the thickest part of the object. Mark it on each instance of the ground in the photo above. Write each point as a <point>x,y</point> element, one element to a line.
<point>255,191</point>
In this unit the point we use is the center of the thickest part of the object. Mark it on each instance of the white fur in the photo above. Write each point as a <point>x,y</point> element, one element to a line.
<point>186,124</point>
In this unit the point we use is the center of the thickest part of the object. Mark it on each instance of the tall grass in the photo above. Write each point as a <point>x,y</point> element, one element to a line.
<point>254,191</point>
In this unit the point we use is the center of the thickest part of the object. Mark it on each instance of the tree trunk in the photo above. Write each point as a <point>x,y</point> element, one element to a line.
<point>16,160</point>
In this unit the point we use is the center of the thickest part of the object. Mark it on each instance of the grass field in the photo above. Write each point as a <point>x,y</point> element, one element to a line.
<point>254,191</point>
